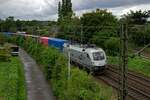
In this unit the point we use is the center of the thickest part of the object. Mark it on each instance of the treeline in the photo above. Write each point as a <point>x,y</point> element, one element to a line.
<point>102,28</point>
<point>36,27</point>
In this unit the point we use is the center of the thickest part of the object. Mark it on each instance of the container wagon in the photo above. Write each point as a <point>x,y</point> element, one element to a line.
<point>44,40</point>
<point>57,43</point>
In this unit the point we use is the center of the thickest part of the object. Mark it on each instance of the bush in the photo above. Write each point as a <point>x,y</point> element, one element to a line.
<point>80,86</point>
<point>112,46</point>
<point>100,37</point>
<point>141,37</point>
<point>2,39</point>
<point>5,52</point>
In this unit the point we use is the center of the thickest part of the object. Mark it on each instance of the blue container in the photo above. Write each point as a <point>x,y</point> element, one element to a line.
<point>57,43</point>
<point>7,34</point>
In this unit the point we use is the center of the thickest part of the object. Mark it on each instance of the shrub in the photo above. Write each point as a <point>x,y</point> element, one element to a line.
<point>100,37</point>
<point>112,46</point>
<point>5,53</point>
<point>2,39</point>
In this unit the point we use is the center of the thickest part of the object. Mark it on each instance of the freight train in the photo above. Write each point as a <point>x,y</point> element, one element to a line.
<point>87,56</point>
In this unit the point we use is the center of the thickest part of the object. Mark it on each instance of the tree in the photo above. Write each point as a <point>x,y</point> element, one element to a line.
<point>9,24</point>
<point>1,23</point>
<point>69,29</point>
<point>59,12</point>
<point>112,46</point>
<point>2,39</point>
<point>69,8</point>
<point>138,17</point>
<point>97,22</point>
<point>65,19</point>
<point>140,35</point>
<point>137,26</point>
<point>64,10</point>
<point>19,25</point>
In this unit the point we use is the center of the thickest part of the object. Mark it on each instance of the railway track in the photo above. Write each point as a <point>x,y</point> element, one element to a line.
<point>138,85</point>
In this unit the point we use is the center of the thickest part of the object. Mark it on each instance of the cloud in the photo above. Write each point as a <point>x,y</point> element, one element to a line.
<point>88,4</point>
<point>47,9</point>
<point>28,9</point>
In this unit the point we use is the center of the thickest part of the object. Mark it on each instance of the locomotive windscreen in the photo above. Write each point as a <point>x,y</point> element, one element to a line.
<point>98,56</point>
<point>15,49</point>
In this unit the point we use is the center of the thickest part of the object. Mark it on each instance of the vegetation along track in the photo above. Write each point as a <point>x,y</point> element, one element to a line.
<point>138,85</point>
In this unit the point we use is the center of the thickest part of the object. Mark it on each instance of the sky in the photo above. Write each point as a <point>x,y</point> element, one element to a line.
<point>47,9</point>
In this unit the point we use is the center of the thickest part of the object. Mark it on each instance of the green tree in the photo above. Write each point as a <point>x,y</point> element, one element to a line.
<point>1,23</point>
<point>137,26</point>
<point>96,22</point>
<point>136,17</point>
<point>66,20</point>
<point>64,10</point>
<point>69,8</point>
<point>19,25</point>
<point>112,46</point>
<point>59,12</point>
<point>69,29</point>
<point>9,24</point>
<point>2,39</point>
<point>140,35</point>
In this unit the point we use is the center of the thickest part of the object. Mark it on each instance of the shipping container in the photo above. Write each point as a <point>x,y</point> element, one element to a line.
<point>7,33</point>
<point>44,40</point>
<point>57,43</point>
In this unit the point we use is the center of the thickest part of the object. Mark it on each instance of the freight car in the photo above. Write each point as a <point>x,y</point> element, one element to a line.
<point>57,43</point>
<point>91,58</point>
<point>47,41</point>
<point>53,42</point>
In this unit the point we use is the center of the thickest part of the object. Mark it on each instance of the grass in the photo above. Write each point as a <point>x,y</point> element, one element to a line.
<point>137,64</point>
<point>106,92</point>
<point>12,81</point>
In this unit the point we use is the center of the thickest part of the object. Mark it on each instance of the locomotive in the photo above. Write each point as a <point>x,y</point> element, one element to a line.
<point>91,58</point>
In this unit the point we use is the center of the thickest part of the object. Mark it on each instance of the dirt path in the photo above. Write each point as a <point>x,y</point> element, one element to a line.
<point>37,87</point>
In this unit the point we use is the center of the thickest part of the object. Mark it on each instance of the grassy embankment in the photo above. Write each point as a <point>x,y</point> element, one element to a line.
<point>137,64</point>
<point>12,81</point>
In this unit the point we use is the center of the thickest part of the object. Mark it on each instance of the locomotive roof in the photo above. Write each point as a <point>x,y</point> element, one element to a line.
<point>80,49</point>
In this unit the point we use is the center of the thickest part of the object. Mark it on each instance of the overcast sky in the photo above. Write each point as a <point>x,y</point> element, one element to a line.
<point>47,9</point>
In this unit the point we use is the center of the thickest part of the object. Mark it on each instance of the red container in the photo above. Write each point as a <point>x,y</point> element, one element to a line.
<point>44,40</point>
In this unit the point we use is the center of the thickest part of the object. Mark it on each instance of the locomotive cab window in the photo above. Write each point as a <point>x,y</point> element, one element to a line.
<point>98,56</point>
<point>14,50</point>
